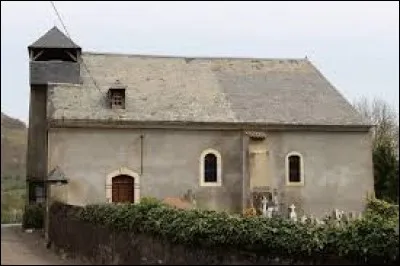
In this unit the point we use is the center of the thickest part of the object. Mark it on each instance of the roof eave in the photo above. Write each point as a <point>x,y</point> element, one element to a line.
<point>105,123</point>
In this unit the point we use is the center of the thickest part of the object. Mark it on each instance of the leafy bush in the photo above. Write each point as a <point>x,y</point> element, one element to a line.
<point>150,201</point>
<point>33,216</point>
<point>386,171</point>
<point>362,241</point>
<point>368,240</point>
<point>382,208</point>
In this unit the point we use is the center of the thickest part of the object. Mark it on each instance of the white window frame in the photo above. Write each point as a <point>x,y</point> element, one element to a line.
<point>219,169</point>
<point>287,169</point>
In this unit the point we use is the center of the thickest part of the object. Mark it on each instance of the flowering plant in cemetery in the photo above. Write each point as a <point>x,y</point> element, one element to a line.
<point>249,212</point>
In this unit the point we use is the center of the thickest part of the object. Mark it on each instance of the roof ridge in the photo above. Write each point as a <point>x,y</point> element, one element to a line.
<point>191,57</point>
<point>54,38</point>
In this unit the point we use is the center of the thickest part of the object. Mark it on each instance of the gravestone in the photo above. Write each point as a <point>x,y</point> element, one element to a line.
<point>264,203</point>
<point>292,214</point>
<point>257,196</point>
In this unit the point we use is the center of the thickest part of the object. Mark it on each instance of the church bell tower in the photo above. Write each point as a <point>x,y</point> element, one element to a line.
<point>54,58</point>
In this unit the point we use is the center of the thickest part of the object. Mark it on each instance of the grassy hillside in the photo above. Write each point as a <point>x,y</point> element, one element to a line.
<point>13,146</point>
<point>13,157</point>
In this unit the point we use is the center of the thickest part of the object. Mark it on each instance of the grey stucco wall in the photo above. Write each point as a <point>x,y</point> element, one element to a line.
<point>170,163</point>
<point>338,170</point>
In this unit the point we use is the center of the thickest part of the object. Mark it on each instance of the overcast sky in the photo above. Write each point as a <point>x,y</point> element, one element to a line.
<point>354,44</point>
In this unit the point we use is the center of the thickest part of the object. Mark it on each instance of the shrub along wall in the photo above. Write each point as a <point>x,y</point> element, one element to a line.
<point>33,217</point>
<point>387,211</point>
<point>151,232</point>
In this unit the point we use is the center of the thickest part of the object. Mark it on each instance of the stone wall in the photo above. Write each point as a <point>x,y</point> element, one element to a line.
<point>99,245</point>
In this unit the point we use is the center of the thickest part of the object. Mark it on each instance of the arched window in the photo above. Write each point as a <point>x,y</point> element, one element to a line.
<point>210,168</point>
<point>294,169</point>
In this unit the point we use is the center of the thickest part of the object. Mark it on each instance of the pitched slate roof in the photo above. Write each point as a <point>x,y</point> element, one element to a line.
<point>270,91</point>
<point>54,38</point>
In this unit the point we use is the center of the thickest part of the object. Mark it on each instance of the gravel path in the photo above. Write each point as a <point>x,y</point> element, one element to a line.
<point>21,248</point>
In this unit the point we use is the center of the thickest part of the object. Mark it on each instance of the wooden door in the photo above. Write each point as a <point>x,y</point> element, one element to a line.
<point>122,189</point>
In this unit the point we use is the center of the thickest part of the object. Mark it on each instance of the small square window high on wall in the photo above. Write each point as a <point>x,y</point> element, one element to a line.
<point>117,99</point>
<point>116,96</point>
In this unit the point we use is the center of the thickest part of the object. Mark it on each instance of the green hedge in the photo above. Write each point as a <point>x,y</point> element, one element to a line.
<point>382,208</point>
<point>33,217</point>
<point>362,241</point>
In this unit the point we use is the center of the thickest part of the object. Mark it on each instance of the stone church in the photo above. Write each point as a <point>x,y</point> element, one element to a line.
<point>120,127</point>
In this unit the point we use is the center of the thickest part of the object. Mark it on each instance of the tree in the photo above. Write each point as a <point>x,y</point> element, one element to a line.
<point>385,143</point>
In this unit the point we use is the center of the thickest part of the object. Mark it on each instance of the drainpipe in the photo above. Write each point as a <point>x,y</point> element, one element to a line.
<point>141,153</point>
<point>47,213</point>
<point>244,171</point>
<point>47,193</point>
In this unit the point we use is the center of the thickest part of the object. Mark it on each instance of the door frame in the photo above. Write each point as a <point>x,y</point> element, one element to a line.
<point>123,171</point>
<point>122,187</point>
